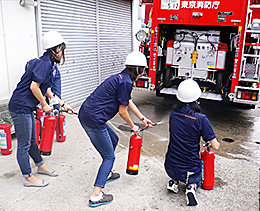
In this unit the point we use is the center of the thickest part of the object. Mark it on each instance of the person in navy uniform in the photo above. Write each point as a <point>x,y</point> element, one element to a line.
<point>187,125</point>
<point>111,97</point>
<point>30,91</point>
<point>55,85</point>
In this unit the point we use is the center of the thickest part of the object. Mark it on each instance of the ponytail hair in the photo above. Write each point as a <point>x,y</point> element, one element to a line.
<point>193,106</point>
<point>54,55</point>
<point>132,72</point>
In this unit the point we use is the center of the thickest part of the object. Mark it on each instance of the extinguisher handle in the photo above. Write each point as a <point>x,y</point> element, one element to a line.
<point>207,145</point>
<point>56,112</point>
<point>142,129</point>
<point>2,121</point>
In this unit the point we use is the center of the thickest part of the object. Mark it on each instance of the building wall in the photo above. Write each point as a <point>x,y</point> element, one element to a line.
<point>18,43</point>
<point>99,37</point>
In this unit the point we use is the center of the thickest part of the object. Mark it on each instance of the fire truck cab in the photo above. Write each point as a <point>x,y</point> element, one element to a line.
<point>214,42</point>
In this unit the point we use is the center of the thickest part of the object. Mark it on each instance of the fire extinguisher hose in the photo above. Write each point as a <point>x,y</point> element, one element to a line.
<point>145,127</point>
<point>68,112</point>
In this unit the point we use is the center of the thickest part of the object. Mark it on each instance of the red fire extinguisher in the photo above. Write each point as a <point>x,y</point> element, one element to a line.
<point>134,154</point>
<point>208,172</point>
<point>47,134</point>
<point>5,139</point>
<point>135,145</point>
<point>61,128</point>
<point>40,113</point>
<point>38,131</point>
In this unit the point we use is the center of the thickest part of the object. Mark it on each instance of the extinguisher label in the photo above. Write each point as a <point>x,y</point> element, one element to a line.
<point>64,128</point>
<point>3,140</point>
<point>202,168</point>
<point>42,120</point>
<point>134,167</point>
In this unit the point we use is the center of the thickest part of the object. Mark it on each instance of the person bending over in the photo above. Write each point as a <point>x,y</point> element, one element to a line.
<point>111,97</point>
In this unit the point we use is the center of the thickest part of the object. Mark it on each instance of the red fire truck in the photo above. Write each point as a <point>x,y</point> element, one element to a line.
<point>215,42</point>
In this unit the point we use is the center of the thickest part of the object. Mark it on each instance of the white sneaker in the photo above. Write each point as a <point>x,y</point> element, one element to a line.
<point>191,196</point>
<point>172,186</point>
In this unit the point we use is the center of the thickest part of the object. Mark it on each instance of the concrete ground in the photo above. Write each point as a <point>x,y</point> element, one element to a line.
<point>77,162</point>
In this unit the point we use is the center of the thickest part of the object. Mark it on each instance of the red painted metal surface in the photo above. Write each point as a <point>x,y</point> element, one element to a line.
<point>134,154</point>
<point>5,139</point>
<point>47,135</point>
<point>38,131</point>
<point>61,128</point>
<point>234,12</point>
<point>208,171</point>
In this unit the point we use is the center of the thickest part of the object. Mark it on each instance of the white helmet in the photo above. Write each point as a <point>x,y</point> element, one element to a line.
<point>51,39</point>
<point>136,58</point>
<point>188,91</point>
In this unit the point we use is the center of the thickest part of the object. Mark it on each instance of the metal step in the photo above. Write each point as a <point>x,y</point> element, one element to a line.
<point>251,55</point>
<point>254,6</point>
<point>204,95</point>
<point>248,80</point>
<point>253,31</point>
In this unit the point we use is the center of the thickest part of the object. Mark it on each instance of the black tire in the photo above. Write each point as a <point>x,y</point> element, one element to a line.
<point>219,81</point>
<point>248,106</point>
<point>168,74</point>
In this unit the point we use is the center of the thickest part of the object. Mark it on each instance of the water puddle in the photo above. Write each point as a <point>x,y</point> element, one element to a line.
<point>229,140</point>
<point>8,175</point>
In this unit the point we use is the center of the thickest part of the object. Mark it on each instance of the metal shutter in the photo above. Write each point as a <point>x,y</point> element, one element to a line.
<point>99,36</point>
<point>115,32</point>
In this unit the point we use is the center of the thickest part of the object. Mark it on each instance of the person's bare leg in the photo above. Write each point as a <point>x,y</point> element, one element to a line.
<point>33,179</point>
<point>43,167</point>
<point>96,191</point>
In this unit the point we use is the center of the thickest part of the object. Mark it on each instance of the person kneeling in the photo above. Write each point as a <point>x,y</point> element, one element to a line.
<point>187,126</point>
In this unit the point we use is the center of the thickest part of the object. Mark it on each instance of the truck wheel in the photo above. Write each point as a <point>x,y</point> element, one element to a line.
<point>219,81</point>
<point>168,74</point>
<point>248,106</point>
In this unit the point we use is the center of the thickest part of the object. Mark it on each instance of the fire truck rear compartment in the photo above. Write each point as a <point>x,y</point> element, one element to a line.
<point>211,68</point>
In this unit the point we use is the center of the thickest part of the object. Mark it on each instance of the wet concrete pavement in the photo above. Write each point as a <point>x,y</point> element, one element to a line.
<point>239,124</point>
<point>76,160</point>
<point>229,120</point>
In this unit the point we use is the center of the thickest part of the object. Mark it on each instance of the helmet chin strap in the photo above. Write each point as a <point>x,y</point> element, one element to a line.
<point>138,71</point>
<point>55,54</point>
<point>55,57</point>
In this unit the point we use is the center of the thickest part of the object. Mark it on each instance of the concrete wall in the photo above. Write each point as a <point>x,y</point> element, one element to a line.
<point>18,43</point>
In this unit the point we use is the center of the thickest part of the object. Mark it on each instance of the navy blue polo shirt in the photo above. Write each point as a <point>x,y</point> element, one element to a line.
<point>56,82</point>
<point>186,129</point>
<point>38,70</point>
<point>103,104</point>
